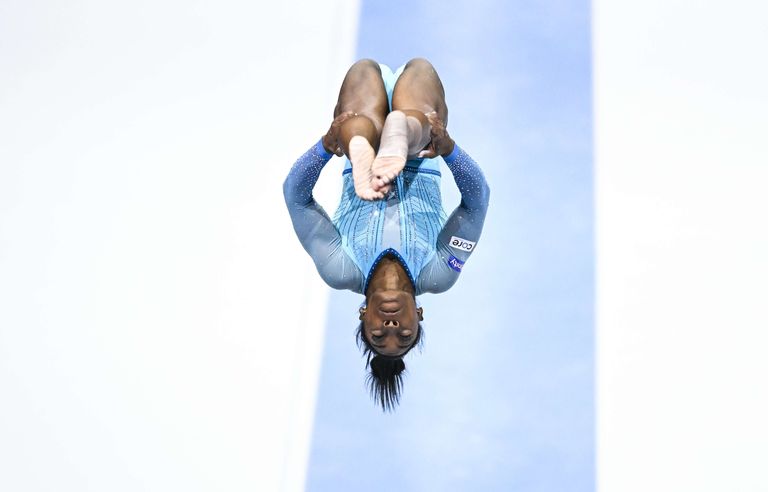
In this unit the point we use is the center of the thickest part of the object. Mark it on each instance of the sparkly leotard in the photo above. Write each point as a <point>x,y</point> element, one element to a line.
<point>410,224</point>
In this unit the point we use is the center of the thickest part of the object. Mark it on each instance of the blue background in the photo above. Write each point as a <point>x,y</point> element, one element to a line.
<point>502,397</point>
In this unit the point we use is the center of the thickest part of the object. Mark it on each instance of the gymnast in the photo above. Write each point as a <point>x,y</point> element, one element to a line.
<point>390,239</point>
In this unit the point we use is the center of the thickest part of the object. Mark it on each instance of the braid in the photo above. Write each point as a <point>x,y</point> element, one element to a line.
<point>385,377</point>
<point>385,380</point>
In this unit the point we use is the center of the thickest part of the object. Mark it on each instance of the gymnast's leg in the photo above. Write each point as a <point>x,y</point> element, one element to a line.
<point>418,91</point>
<point>363,93</point>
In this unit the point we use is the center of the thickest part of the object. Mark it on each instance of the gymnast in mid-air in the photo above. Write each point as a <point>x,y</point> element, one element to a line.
<point>390,239</point>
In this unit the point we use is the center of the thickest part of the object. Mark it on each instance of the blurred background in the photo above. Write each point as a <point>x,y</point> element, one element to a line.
<point>162,329</point>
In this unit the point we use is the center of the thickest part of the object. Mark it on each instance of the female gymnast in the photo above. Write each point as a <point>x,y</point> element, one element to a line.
<point>390,239</point>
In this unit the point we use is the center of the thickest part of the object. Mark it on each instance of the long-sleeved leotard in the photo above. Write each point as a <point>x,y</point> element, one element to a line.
<point>410,224</point>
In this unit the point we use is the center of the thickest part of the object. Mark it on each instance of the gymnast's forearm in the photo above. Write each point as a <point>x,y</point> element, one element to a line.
<point>301,180</point>
<point>470,180</point>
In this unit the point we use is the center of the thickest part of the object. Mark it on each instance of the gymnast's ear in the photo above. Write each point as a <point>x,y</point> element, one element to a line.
<point>362,313</point>
<point>420,312</point>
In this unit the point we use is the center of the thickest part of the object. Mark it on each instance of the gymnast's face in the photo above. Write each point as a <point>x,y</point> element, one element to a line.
<point>391,321</point>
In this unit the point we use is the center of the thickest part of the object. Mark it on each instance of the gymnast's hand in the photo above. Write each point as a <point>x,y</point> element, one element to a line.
<point>331,141</point>
<point>441,143</point>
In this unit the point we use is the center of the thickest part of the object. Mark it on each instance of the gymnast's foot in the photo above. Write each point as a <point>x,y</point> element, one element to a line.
<point>393,150</point>
<point>419,133</point>
<point>361,154</point>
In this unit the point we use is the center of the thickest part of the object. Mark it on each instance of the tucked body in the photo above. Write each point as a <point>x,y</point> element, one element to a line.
<point>390,238</point>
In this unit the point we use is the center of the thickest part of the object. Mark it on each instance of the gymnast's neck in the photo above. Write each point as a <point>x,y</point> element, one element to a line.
<point>390,274</point>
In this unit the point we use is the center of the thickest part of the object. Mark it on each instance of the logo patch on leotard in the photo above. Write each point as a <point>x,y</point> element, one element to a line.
<point>462,244</point>
<point>455,263</point>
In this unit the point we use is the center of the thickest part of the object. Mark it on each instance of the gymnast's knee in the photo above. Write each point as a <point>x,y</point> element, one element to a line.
<point>419,63</point>
<point>366,64</point>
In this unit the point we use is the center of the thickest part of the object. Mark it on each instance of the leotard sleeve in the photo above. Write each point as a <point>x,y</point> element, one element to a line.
<point>458,238</point>
<point>316,232</point>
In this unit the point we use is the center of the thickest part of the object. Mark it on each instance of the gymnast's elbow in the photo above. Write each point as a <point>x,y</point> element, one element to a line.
<point>288,190</point>
<point>485,192</point>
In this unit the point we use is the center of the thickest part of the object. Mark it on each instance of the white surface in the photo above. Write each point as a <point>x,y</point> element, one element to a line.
<point>682,245</point>
<point>160,326</point>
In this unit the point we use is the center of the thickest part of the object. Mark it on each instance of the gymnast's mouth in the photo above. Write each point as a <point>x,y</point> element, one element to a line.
<point>390,307</point>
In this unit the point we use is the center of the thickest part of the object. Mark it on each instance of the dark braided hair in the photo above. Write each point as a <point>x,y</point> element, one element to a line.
<point>385,378</point>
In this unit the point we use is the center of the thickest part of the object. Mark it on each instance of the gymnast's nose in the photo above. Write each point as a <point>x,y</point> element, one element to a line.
<point>391,322</point>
